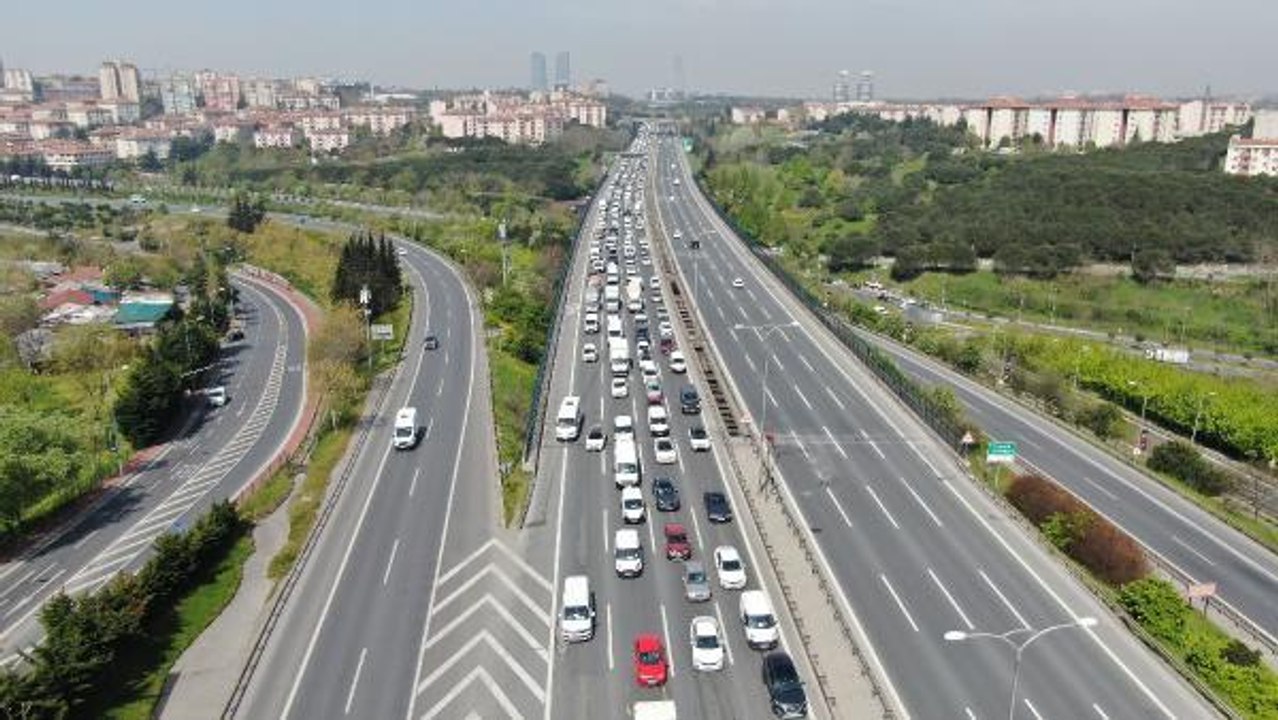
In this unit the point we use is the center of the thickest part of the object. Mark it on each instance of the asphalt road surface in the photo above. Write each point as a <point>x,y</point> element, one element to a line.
<point>915,549</point>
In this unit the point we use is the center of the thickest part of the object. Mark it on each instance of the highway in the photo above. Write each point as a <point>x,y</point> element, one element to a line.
<point>1201,546</point>
<point>224,449</point>
<point>596,679</point>
<point>915,549</point>
<point>356,637</point>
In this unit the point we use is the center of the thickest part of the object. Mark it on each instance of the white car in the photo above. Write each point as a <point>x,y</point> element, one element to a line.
<point>707,644</point>
<point>623,426</point>
<point>654,282</point>
<point>698,438</point>
<point>649,370</point>
<point>664,448</point>
<point>596,439</point>
<point>730,568</point>
<point>665,330</point>
<point>678,364</point>
<point>627,553</point>
<point>620,389</point>
<point>738,283</point>
<point>216,396</point>
<point>632,508</point>
<point>589,353</point>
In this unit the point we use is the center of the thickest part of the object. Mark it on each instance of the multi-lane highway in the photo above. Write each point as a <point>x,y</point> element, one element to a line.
<point>225,448</point>
<point>369,628</point>
<point>914,548</point>
<point>597,678</point>
<point>1201,546</point>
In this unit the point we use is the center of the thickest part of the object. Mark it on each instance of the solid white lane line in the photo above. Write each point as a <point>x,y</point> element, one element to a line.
<point>882,507</point>
<point>665,630</point>
<point>723,629</point>
<point>846,520</point>
<point>922,504</point>
<point>802,397</point>
<point>900,605</point>
<point>1197,554</point>
<point>834,397</point>
<point>834,442</point>
<point>1006,603</point>
<point>390,562</point>
<point>953,603</point>
<point>607,537</point>
<point>866,436</point>
<point>608,628</point>
<point>970,715</point>
<point>1099,712</point>
<point>1033,709</point>
<point>923,457</point>
<point>430,423</point>
<point>807,364</point>
<point>412,488</point>
<point>359,668</point>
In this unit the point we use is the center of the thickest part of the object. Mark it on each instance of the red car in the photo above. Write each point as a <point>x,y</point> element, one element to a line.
<point>650,661</point>
<point>677,545</point>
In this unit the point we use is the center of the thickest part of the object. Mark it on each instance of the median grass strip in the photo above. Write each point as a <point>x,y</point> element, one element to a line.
<point>513,382</point>
<point>144,668</point>
<point>310,496</point>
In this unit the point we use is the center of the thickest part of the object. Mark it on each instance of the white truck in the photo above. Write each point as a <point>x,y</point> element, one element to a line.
<point>654,710</point>
<point>1175,356</point>
<point>634,294</point>
<point>612,298</point>
<point>618,356</point>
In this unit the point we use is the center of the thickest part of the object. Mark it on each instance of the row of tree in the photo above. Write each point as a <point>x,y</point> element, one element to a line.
<point>368,262</point>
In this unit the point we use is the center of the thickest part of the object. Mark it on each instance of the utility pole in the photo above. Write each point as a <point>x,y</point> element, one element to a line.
<point>365,299</point>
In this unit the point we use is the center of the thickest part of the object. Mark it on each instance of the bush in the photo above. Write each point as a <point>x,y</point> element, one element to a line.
<point>1182,461</point>
<point>1102,418</point>
<point>1076,530</point>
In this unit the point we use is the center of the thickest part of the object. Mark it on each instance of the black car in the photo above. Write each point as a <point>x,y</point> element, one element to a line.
<point>689,400</point>
<point>785,689</point>
<point>431,342</point>
<point>717,508</point>
<point>665,495</point>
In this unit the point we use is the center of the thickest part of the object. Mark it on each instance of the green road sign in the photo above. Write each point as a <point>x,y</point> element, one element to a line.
<point>1000,452</point>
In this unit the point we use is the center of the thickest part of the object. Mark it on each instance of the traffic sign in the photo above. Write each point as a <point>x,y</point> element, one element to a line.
<point>383,332</point>
<point>1000,452</point>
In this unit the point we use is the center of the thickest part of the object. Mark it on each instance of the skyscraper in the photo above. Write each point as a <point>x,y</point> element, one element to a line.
<point>539,80</point>
<point>843,86</point>
<point>563,72</point>
<point>119,81</point>
<point>865,87</point>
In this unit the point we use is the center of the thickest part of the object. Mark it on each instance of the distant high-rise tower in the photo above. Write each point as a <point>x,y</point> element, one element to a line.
<point>865,87</point>
<point>563,72</point>
<point>119,81</point>
<point>539,80</point>
<point>680,78</point>
<point>843,87</point>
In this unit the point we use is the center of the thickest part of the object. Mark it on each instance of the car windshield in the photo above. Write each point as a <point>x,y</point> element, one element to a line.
<point>580,612</point>
<point>707,642</point>
<point>631,503</point>
<point>677,538</point>
<point>628,553</point>
<point>650,657</point>
<point>761,622</point>
<point>696,577</point>
<point>731,564</point>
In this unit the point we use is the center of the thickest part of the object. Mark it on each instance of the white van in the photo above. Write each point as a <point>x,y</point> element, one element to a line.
<point>625,462</point>
<point>614,326</point>
<point>577,616</point>
<point>405,428</point>
<point>568,421</point>
<point>627,553</point>
<point>758,620</point>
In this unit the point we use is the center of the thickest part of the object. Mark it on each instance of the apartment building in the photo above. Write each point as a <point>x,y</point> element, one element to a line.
<point>275,137</point>
<point>1252,156</point>
<point>221,92</point>
<point>328,141</point>
<point>531,119</point>
<point>119,81</point>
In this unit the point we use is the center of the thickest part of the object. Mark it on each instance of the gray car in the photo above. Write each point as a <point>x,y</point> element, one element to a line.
<point>696,584</point>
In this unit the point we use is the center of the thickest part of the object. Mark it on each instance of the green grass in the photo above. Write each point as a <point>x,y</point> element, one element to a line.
<point>1239,315</point>
<point>310,495</point>
<point>267,498</point>
<point>143,672</point>
<point>386,353</point>
<point>512,388</point>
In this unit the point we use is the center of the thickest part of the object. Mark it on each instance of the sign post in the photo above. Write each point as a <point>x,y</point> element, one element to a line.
<point>382,333</point>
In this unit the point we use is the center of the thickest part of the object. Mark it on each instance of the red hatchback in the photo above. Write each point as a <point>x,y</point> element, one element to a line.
<point>677,545</point>
<point>650,661</point>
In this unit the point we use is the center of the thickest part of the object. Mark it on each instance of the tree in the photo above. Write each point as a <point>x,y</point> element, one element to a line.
<point>246,213</point>
<point>18,313</point>
<point>124,273</point>
<point>38,453</point>
<point>1102,418</point>
<point>150,162</point>
<point>149,400</point>
<point>341,338</point>
<point>851,252</point>
<point>1149,264</point>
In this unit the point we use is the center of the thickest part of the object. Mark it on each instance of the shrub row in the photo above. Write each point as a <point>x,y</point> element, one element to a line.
<point>86,635</point>
<point>1182,461</point>
<point>1078,531</point>
<point>1226,665</point>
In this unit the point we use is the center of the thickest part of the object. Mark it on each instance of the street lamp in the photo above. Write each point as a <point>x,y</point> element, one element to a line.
<point>959,635</point>
<point>365,299</point>
<point>766,330</point>
<point>1202,402</point>
<point>1144,402</point>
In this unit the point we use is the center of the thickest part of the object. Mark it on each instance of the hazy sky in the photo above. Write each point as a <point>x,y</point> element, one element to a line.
<point>917,48</point>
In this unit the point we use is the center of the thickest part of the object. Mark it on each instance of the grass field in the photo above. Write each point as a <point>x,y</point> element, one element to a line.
<point>1236,315</point>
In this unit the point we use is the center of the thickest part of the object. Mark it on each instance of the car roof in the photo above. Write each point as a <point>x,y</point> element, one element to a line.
<point>779,663</point>
<point>727,551</point>
<point>647,641</point>
<point>706,624</point>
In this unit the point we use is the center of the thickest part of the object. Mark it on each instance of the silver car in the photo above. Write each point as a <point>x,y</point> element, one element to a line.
<point>696,584</point>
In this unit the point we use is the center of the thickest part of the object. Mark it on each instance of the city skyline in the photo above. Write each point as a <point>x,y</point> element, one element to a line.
<point>762,47</point>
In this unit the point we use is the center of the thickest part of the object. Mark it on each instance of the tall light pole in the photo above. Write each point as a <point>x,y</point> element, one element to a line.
<point>767,330</point>
<point>1202,402</point>
<point>365,299</point>
<point>1018,647</point>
